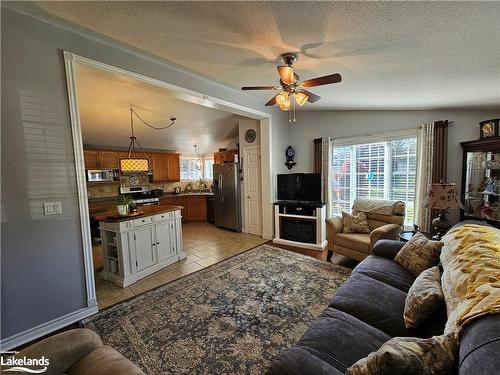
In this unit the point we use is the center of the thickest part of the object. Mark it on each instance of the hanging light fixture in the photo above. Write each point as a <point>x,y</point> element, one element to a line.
<point>133,164</point>
<point>199,162</point>
<point>301,98</point>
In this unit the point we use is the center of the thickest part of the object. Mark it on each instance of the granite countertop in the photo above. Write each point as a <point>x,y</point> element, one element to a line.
<point>111,216</point>
<point>168,195</point>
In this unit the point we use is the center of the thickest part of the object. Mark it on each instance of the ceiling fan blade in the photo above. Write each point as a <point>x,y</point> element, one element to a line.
<point>287,74</point>
<point>259,88</point>
<point>272,101</point>
<point>312,98</point>
<point>325,80</point>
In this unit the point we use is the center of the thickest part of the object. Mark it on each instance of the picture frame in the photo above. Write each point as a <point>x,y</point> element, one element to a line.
<point>489,128</point>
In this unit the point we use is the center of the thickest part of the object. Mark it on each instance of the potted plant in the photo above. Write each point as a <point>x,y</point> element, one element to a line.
<point>122,204</point>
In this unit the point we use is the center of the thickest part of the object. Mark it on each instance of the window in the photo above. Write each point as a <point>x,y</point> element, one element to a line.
<point>208,171</point>
<point>379,170</point>
<point>190,171</point>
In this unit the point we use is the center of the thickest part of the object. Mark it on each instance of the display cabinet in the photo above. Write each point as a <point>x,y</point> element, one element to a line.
<point>481,180</point>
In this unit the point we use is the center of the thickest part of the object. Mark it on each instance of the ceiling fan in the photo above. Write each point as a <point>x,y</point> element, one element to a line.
<point>292,88</point>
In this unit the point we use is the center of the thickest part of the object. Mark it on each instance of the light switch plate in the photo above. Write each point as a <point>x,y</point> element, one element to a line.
<point>52,208</point>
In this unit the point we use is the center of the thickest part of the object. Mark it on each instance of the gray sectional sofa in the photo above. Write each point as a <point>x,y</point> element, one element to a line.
<point>367,311</point>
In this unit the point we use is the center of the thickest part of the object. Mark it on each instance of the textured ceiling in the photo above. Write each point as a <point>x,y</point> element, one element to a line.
<point>392,55</point>
<point>104,100</point>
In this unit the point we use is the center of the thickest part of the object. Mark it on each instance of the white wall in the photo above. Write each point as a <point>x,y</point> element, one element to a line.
<point>341,124</point>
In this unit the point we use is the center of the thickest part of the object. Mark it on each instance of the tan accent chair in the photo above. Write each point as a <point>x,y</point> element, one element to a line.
<point>78,352</point>
<point>385,219</point>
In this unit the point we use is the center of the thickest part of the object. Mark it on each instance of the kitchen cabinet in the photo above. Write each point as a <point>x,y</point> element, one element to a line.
<point>99,159</point>
<point>91,159</point>
<point>166,167</point>
<point>135,248</point>
<point>222,156</point>
<point>196,208</point>
<point>176,200</point>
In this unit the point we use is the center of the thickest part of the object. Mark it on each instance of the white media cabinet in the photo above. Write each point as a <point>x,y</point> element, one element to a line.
<point>300,225</point>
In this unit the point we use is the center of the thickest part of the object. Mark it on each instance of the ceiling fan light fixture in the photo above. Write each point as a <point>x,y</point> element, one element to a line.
<point>282,97</point>
<point>301,98</point>
<point>286,105</point>
<point>287,74</point>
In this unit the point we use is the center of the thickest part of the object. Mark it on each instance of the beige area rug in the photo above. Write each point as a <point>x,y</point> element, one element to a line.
<point>230,318</point>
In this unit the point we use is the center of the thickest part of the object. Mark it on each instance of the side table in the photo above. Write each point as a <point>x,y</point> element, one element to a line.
<point>405,236</point>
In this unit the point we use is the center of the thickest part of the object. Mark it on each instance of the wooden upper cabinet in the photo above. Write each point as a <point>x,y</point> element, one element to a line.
<point>174,167</point>
<point>91,159</point>
<point>166,167</point>
<point>222,156</point>
<point>109,159</point>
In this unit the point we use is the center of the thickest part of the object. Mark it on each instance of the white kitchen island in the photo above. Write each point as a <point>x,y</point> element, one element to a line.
<point>137,246</point>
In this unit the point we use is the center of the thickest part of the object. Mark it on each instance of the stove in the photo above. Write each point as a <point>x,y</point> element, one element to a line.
<point>141,195</point>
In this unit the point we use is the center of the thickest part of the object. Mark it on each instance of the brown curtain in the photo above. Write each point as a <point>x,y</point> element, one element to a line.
<point>318,156</point>
<point>440,161</point>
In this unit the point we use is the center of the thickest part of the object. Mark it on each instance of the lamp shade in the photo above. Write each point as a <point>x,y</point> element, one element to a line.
<point>442,197</point>
<point>301,98</point>
<point>134,165</point>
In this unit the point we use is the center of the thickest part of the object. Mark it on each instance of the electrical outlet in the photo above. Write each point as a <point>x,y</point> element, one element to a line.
<point>52,208</point>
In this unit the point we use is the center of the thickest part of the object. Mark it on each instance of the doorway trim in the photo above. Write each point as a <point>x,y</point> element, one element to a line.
<point>70,60</point>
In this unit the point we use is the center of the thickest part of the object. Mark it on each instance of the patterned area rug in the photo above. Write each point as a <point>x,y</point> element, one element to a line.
<point>230,318</point>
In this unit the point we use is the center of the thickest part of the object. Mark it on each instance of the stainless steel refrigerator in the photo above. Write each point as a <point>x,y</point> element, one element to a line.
<point>227,202</point>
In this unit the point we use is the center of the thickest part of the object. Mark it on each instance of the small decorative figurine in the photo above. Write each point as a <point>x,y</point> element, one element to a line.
<point>490,187</point>
<point>290,153</point>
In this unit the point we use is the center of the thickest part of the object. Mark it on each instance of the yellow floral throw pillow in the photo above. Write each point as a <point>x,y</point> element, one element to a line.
<point>356,223</point>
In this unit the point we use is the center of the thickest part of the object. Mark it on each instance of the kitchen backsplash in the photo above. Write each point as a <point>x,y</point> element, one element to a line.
<point>96,190</point>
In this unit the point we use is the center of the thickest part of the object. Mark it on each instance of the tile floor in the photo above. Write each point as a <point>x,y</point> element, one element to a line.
<point>204,245</point>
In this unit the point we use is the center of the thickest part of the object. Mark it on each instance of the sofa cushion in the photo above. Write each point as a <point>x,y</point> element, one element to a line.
<point>479,346</point>
<point>356,241</point>
<point>301,361</point>
<point>410,356</point>
<point>373,302</point>
<point>386,271</point>
<point>340,339</point>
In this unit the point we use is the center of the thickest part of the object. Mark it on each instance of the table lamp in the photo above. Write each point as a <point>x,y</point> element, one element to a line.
<point>442,197</point>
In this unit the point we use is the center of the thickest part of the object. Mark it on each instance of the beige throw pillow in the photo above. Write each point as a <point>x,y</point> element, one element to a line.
<point>423,298</point>
<point>355,223</point>
<point>410,356</point>
<point>419,253</point>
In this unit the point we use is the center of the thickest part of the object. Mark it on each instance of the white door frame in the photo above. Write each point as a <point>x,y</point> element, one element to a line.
<point>70,60</point>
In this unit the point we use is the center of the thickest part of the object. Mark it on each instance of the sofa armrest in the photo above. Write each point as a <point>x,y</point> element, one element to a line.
<point>385,232</point>
<point>105,361</point>
<point>387,248</point>
<point>334,226</point>
<point>63,349</point>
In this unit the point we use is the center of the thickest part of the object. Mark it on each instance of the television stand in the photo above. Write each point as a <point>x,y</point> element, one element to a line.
<point>300,224</point>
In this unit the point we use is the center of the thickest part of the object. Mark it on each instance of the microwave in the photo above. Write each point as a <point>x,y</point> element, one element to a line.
<point>102,175</point>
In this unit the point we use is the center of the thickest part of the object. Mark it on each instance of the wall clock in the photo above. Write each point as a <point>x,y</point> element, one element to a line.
<point>250,135</point>
<point>489,128</point>
<point>133,181</point>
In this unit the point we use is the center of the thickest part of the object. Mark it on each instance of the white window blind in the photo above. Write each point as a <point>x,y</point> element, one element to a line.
<point>379,170</point>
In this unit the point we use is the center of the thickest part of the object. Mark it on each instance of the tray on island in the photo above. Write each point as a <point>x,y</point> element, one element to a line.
<point>132,214</point>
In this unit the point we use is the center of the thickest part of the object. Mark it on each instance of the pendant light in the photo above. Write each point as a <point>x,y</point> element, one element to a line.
<point>199,162</point>
<point>133,164</point>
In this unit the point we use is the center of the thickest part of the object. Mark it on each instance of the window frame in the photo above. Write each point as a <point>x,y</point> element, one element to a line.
<point>388,157</point>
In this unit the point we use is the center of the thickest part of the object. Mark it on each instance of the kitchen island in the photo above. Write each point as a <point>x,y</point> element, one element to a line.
<point>136,246</point>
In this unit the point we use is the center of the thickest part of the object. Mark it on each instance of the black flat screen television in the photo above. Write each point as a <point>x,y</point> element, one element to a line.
<point>304,187</point>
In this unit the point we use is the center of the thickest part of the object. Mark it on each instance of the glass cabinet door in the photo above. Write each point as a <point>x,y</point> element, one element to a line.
<point>482,186</point>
